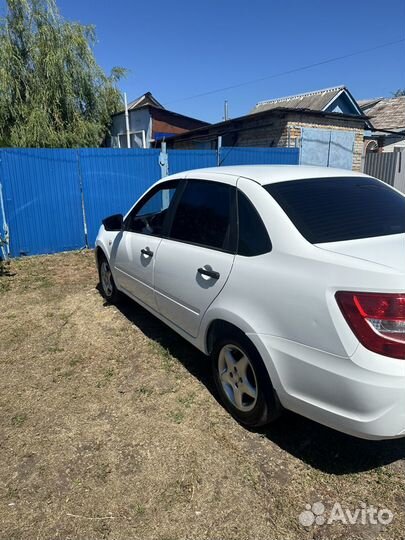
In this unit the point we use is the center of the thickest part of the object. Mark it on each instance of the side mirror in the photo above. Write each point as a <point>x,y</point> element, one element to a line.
<point>113,223</point>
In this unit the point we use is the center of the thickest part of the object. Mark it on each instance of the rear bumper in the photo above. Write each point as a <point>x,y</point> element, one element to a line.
<point>338,392</point>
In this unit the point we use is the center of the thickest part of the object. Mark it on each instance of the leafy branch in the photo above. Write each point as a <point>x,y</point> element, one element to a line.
<point>52,91</point>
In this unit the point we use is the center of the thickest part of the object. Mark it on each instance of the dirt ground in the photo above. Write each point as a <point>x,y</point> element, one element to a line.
<point>110,429</point>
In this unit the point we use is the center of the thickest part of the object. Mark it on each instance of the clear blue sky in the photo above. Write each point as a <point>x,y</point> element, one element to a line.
<point>181,48</point>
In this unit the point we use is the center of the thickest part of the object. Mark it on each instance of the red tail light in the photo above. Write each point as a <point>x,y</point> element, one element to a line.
<point>378,320</point>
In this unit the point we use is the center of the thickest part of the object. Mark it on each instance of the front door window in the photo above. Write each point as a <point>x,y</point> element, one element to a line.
<point>149,216</point>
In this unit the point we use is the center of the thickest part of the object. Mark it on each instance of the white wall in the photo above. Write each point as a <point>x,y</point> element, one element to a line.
<point>139,120</point>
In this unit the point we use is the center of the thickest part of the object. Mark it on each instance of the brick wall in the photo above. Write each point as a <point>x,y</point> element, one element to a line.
<point>261,135</point>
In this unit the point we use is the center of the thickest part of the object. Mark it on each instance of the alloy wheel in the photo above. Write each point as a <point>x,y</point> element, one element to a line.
<point>106,278</point>
<point>238,378</point>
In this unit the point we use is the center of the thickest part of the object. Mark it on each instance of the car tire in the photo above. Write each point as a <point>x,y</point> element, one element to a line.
<point>107,284</point>
<point>242,381</point>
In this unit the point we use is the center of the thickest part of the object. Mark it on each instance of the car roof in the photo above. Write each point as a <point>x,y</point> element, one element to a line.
<point>268,174</point>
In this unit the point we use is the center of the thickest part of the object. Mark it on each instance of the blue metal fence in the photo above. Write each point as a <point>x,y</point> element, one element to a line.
<point>183,160</point>
<point>55,199</point>
<point>42,200</point>
<point>112,180</point>
<point>266,156</point>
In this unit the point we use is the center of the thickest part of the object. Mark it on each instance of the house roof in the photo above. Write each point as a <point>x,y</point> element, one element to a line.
<point>317,100</point>
<point>386,113</point>
<point>145,99</point>
<point>365,104</point>
<point>160,113</point>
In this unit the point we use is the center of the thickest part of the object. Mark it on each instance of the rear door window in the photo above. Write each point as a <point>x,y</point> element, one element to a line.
<point>253,238</point>
<point>337,209</point>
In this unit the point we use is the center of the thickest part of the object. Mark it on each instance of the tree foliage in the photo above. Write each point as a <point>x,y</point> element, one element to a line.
<point>52,91</point>
<point>400,92</point>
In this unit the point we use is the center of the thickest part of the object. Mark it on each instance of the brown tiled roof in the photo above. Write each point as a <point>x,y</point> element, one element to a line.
<point>387,113</point>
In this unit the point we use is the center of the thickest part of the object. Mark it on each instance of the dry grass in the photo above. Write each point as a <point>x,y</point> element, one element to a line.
<point>109,429</point>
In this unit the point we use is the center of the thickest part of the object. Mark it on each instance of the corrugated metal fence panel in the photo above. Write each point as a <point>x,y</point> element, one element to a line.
<point>2,208</point>
<point>382,166</point>
<point>42,200</point>
<point>265,156</point>
<point>183,160</point>
<point>113,180</point>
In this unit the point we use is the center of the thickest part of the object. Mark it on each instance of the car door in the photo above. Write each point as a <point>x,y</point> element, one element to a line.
<point>194,262</point>
<point>134,256</point>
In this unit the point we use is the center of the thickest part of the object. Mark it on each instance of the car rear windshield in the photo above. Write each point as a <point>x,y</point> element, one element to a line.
<point>337,209</point>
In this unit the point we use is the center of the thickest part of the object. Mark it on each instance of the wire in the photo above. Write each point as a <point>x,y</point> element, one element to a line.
<point>295,70</point>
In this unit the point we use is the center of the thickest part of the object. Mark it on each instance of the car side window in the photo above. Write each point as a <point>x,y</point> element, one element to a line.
<point>253,238</point>
<point>203,215</point>
<point>149,215</point>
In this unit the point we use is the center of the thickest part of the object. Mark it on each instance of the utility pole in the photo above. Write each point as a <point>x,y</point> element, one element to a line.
<point>219,146</point>
<point>127,121</point>
<point>226,116</point>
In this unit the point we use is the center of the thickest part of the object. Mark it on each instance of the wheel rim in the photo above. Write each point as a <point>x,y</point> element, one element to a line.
<point>106,278</point>
<point>238,378</point>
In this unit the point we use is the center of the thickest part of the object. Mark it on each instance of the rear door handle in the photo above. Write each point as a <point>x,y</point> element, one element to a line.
<point>147,252</point>
<point>210,273</point>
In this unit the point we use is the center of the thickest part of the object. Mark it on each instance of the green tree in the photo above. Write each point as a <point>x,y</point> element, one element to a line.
<point>52,91</point>
<point>400,92</point>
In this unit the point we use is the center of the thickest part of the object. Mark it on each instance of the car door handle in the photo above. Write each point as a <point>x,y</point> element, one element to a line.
<point>210,273</point>
<point>147,252</point>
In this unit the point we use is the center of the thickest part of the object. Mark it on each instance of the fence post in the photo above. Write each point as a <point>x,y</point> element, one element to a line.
<point>300,147</point>
<point>399,176</point>
<point>219,147</point>
<point>79,170</point>
<point>4,230</point>
<point>163,161</point>
<point>4,240</point>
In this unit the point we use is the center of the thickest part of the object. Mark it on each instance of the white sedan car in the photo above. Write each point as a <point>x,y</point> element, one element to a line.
<point>291,278</point>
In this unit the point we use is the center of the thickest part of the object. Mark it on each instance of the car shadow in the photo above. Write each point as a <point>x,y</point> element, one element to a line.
<point>318,446</point>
